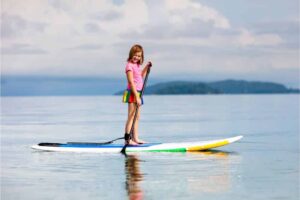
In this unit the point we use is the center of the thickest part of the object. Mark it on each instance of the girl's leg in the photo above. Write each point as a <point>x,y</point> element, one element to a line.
<point>136,128</point>
<point>131,111</point>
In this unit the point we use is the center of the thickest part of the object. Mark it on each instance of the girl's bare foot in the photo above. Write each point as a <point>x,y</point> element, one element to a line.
<point>131,142</point>
<point>139,141</point>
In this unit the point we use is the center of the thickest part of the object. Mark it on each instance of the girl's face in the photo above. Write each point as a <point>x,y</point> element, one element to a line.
<point>136,57</point>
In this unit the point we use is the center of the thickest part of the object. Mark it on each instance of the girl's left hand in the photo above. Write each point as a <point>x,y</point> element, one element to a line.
<point>149,64</point>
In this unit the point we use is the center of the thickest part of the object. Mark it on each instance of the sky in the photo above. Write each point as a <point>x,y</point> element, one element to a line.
<point>204,40</point>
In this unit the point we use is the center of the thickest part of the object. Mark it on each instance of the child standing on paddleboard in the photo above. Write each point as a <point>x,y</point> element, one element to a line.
<point>132,95</point>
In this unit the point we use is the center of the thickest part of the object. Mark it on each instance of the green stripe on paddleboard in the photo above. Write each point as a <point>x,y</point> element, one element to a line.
<point>161,150</point>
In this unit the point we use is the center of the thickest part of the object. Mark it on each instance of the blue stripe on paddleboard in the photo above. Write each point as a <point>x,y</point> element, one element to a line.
<point>105,146</point>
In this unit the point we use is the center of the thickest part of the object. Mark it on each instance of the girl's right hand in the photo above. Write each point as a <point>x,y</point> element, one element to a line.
<point>138,101</point>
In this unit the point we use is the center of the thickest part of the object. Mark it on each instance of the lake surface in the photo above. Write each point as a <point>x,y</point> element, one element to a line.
<point>263,165</point>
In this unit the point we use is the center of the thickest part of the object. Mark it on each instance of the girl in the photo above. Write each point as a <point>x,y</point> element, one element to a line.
<point>132,95</point>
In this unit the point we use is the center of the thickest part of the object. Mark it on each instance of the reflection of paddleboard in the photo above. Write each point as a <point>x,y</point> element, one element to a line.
<point>149,147</point>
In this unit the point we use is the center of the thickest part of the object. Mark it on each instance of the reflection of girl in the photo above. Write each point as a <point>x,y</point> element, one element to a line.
<point>133,177</point>
<point>132,95</point>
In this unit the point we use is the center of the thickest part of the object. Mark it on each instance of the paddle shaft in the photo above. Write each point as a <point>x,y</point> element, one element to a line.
<point>136,106</point>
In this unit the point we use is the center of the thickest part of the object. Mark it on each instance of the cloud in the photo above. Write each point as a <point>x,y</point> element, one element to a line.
<point>248,39</point>
<point>288,30</point>
<point>92,28</point>
<point>179,19</point>
<point>111,15</point>
<point>13,26</point>
<point>88,47</point>
<point>91,37</point>
<point>191,23</point>
<point>24,49</point>
<point>185,11</point>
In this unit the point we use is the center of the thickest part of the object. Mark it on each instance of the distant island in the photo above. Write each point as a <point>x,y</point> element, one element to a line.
<point>93,86</point>
<point>218,87</point>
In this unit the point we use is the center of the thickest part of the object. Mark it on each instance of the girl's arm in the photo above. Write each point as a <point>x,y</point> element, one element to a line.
<point>129,75</point>
<point>145,69</point>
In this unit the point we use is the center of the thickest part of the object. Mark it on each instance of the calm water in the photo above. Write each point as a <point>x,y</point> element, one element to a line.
<point>264,165</point>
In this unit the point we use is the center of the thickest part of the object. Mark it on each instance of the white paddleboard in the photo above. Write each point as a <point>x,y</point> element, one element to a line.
<point>148,147</point>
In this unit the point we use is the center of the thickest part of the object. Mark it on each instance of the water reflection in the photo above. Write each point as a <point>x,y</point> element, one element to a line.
<point>200,172</point>
<point>217,172</point>
<point>133,177</point>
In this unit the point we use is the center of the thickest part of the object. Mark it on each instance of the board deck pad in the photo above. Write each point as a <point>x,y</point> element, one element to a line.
<point>93,147</point>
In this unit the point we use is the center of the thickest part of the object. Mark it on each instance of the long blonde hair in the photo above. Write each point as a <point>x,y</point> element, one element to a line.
<point>134,49</point>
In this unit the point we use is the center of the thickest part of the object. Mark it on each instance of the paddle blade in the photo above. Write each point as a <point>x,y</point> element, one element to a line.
<point>123,151</point>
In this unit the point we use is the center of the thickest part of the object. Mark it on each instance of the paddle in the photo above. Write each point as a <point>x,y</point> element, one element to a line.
<point>136,108</point>
<point>96,143</point>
